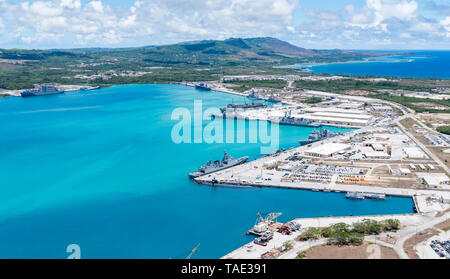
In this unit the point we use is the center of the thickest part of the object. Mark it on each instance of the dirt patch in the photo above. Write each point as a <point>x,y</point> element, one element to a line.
<point>408,123</point>
<point>444,225</point>
<point>365,251</point>
<point>381,170</point>
<point>432,106</point>
<point>409,244</point>
<point>439,151</point>
<point>6,66</point>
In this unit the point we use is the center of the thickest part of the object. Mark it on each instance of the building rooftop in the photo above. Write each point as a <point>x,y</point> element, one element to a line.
<point>328,149</point>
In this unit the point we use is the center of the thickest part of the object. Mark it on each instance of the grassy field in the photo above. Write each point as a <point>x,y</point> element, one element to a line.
<point>340,86</point>
<point>412,102</point>
<point>444,129</point>
<point>244,85</point>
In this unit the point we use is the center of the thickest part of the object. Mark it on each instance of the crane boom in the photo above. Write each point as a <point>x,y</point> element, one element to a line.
<point>193,252</point>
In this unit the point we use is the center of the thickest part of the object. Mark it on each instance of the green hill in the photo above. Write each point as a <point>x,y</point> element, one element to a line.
<point>188,61</point>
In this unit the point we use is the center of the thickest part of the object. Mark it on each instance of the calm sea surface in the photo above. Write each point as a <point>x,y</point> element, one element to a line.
<point>420,64</point>
<point>99,169</point>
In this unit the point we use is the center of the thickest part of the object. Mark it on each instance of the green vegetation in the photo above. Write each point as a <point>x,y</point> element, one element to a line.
<point>340,86</point>
<point>446,229</point>
<point>411,102</point>
<point>288,245</point>
<point>301,255</point>
<point>311,233</point>
<point>343,85</point>
<point>191,61</point>
<point>313,100</point>
<point>367,227</point>
<point>444,130</point>
<point>346,238</point>
<point>390,225</point>
<point>344,234</point>
<point>244,85</point>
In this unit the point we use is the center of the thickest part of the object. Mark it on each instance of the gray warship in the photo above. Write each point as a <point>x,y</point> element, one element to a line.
<point>254,96</point>
<point>252,105</point>
<point>210,167</point>
<point>43,91</point>
<point>318,135</point>
<point>202,86</point>
<point>289,120</point>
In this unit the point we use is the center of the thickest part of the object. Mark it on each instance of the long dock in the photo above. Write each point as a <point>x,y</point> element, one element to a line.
<point>418,196</point>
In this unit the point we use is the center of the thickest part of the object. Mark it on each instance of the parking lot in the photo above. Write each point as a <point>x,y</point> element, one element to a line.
<point>441,248</point>
<point>438,140</point>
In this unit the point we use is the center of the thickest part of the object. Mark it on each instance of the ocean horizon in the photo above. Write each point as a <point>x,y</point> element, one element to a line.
<point>414,65</point>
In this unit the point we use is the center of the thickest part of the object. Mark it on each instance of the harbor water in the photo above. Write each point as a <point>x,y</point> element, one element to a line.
<point>100,169</point>
<point>414,65</point>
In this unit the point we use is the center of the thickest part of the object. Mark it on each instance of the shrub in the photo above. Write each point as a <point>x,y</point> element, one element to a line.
<point>311,233</point>
<point>301,255</point>
<point>346,238</point>
<point>390,224</point>
<point>288,245</point>
<point>367,227</point>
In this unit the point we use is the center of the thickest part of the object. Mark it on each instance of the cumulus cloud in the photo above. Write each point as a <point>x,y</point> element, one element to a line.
<point>443,9</point>
<point>378,22</point>
<point>99,23</point>
<point>147,20</point>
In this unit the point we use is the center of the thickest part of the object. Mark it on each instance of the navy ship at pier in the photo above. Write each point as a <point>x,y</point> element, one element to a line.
<point>225,163</point>
<point>202,86</point>
<point>43,91</point>
<point>253,105</point>
<point>289,120</point>
<point>318,135</point>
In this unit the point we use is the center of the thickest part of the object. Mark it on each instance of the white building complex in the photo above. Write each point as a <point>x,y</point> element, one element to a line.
<point>338,117</point>
<point>327,150</point>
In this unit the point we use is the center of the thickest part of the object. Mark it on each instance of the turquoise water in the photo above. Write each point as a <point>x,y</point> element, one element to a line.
<point>99,169</point>
<point>420,64</point>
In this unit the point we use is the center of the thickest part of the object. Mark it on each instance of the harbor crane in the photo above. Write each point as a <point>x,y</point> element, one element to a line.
<point>193,252</point>
<point>269,217</point>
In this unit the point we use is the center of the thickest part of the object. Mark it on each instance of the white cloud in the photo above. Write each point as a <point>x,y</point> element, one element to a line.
<point>377,23</point>
<point>446,23</point>
<point>101,23</point>
<point>385,9</point>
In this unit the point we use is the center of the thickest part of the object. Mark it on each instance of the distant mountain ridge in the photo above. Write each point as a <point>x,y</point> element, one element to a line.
<point>229,52</point>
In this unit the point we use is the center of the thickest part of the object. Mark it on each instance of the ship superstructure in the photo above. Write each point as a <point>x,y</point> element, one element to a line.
<point>210,167</point>
<point>43,91</point>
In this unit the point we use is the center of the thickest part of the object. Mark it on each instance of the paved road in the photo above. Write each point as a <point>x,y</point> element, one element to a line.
<point>302,246</point>
<point>421,145</point>
<point>406,234</point>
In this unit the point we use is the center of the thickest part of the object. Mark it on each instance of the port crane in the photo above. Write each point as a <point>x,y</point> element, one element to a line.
<point>193,252</point>
<point>269,218</point>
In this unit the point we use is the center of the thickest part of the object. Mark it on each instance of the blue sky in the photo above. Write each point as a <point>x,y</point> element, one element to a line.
<point>322,24</point>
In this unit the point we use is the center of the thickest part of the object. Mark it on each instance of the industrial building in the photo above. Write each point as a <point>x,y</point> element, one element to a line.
<point>414,153</point>
<point>327,150</point>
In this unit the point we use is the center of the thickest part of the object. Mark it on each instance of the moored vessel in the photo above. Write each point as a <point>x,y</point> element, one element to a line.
<point>43,91</point>
<point>355,196</point>
<point>211,167</point>
<point>202,86</point>
<point>318,135</point>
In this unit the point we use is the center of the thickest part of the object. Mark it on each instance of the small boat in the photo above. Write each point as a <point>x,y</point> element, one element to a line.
<point>258,241</point>
<point>355,196</point>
